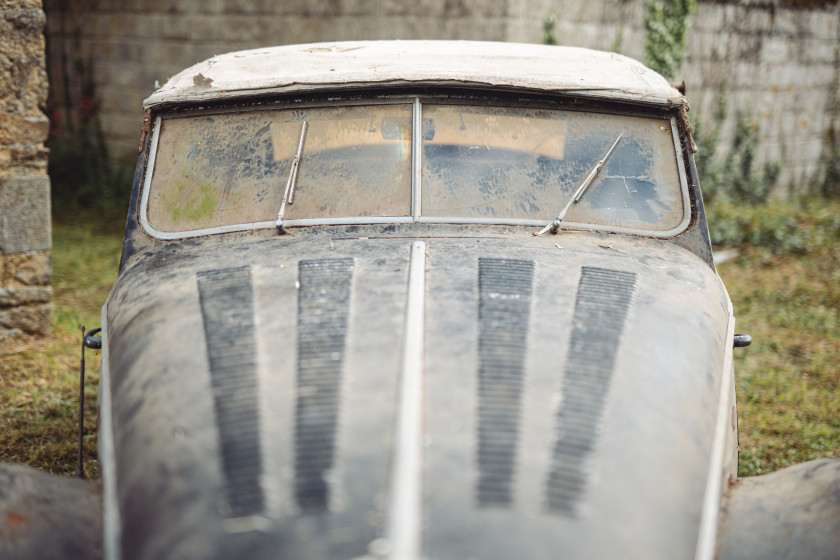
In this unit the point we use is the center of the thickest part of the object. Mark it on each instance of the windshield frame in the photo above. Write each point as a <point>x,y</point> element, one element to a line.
<point>417,101</point>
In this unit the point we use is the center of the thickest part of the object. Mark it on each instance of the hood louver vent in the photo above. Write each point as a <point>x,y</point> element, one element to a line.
<point>504,311</point>
<point>226,298</point>
<point>323,308</point>
<point>603,300</point>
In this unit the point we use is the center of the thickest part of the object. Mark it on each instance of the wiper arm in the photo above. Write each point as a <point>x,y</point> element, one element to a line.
<point>555,225</point>
<point>289,193</point>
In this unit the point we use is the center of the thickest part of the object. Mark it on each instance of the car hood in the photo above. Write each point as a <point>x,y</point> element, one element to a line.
<point>569,391</point>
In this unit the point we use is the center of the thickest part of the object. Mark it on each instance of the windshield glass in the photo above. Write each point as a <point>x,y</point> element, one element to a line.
<point>232,168</point>
<point>478,164</point>
<point>499,162</point>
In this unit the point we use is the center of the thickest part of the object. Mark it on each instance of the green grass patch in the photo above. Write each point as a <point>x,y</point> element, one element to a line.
<point>785,287</point>
<point>39,375</point>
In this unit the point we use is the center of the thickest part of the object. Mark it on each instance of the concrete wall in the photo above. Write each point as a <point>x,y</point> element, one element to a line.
<point>780,64</point>
<point>25,235</point>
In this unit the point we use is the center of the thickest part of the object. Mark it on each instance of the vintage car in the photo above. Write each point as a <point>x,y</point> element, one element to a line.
<point>442,300</point>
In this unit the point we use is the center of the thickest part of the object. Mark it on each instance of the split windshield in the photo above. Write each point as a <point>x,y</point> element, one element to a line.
<point>478,164</point>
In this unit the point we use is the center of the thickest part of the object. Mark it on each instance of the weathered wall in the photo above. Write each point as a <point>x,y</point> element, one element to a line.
<point>777,64</point>
<point>25,268</point>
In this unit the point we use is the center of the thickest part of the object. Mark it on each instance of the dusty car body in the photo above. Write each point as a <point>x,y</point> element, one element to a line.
<point>344,327</point>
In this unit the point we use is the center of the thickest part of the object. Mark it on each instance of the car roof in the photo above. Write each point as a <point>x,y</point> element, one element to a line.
<point>365,64</point>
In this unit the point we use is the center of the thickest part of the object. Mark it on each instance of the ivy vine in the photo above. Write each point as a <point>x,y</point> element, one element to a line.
<point>666,24</point>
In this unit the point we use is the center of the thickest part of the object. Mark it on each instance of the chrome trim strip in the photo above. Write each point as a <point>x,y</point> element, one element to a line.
<point>405,516</point>
<point>271,225</point>
<point>710,514</point>
<point>401,220</point>
<point>416,160</point>
<point>484,221</point>
<point>675,134</point>
<point>111,527</point>
<point>541,223</point>
<point>147,182</point>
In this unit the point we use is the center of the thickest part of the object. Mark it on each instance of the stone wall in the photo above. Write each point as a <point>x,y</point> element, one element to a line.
<point>777,64</point>
<point>25,235</point>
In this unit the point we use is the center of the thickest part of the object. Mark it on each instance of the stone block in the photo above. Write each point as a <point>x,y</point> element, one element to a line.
<point>589,12</point>
<point>822,24</point>
<point>775,50</point>
<point>175,28</point>
<point>818,51</point>
<point>15,129</point>
<point>30,156</point>
<point>24,214</point>
<point>20,4</point>
<point>568,34</point>
<point>754,19</point>
<point>27,21</point>
<point>370,9</point>
<point>25,294</point>
<point>5,160</point>
<point>239,7</point>
<point>35,318</point>
<point>708,17</point>
<point>31,269</point>
<point>787,22</point>
<point>810,76</point>
<point>210,6</point>
<point>748,48</point>
<point>633,42</point>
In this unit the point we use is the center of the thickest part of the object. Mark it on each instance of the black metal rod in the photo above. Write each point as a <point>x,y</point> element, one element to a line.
<point>80,468</point>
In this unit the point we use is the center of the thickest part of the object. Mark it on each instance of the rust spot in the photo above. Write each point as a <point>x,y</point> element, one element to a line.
<point>774,89</point>
<point>686,124</point>
<point>16,520</point>
<point>201,80</point>
<point>144,130</point>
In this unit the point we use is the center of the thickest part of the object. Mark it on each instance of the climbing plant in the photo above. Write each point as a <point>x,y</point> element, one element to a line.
<point>736,176</point>
<point>666,26</point>
<point>549,23</point>
<point>830,185</point>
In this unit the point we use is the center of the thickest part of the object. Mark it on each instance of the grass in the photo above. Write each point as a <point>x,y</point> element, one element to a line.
<point>786,293</point>
<point>39,376</point>
<point>785,286</point>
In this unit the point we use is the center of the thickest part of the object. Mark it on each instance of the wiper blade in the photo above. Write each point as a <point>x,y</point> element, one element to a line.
<point>555,225</point>
<point>289,193</point>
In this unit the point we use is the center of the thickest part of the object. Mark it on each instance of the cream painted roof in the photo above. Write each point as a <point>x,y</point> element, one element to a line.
<point>344,65</point>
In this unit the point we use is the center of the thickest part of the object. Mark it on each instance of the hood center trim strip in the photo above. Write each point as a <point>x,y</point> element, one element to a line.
<point>405,509</point>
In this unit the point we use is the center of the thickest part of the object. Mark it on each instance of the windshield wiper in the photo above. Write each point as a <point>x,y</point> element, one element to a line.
<point>289,193</point>
<point>555,225</point>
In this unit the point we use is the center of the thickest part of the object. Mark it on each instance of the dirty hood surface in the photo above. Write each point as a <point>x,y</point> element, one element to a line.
<point>569,386</point>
